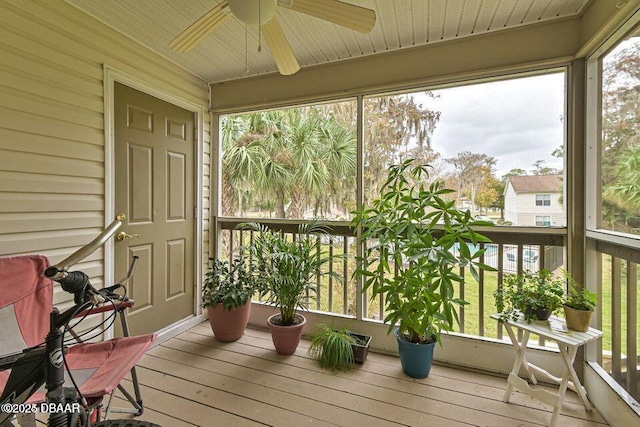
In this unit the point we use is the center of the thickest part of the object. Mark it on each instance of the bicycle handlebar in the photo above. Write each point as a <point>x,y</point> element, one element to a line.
<point>74,281</point>
<point>59,272</point>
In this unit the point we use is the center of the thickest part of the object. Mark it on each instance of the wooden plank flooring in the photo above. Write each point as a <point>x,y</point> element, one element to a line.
<point>194,380</point>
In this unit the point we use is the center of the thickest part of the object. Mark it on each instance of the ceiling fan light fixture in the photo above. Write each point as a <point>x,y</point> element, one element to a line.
<point>253,12</point>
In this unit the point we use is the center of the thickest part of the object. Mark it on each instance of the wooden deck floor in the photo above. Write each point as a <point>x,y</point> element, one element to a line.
<point>193,380</point>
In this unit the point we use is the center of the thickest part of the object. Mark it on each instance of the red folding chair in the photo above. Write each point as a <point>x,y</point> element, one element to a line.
<point>26,299</point>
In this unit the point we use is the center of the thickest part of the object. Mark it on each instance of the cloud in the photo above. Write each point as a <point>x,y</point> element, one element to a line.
<point>517,121</point>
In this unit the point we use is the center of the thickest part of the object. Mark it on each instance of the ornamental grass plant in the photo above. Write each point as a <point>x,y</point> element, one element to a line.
<point>332,348</point>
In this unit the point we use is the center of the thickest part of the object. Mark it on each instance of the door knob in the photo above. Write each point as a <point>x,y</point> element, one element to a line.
<point>123,235</point>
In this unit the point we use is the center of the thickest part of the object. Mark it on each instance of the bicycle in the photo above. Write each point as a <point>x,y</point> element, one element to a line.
<point>45,363</point>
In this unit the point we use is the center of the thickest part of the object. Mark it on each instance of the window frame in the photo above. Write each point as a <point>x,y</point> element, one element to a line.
<point>544,199</point>
<point>599,241</point>
<point>593,140</point>
<point>545,223</point>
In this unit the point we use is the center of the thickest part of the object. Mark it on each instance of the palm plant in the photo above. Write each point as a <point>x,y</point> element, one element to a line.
<point>338,153</point>
<point>288,268</point>
<point>295,156</point>
<point>311,176</point>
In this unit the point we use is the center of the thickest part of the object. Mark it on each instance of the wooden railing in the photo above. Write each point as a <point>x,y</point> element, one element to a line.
<point>334,293</point>
<point>513,249</point>
<point>617,268</point>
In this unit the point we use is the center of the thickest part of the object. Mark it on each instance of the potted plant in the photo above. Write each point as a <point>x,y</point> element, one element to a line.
<point>286,269</point>
<point>338,349</point>
<point>416,245</point>
<point>534,295</point>
<point>332,347</point>
<point>226,294</point>
<point>578,306</point>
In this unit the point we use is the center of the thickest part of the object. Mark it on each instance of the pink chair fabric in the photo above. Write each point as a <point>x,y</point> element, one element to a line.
<point>26,299</point>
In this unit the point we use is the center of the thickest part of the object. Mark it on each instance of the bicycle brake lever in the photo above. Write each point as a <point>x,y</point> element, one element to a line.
<point>96,298</point>
<point>107,294</point>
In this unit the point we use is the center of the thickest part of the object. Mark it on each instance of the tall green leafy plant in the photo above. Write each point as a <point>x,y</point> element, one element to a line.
<point>287,268</point>
<point>417,241</point>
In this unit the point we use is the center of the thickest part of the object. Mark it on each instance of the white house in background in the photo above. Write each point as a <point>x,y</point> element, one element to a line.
<point>534,200</point>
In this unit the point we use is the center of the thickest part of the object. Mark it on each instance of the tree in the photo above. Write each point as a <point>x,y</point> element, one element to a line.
<point>293,157</point>
<point>621,138</point>
<point>340,156</point>
<point>397,128</point>
<point>490,193</point>
<point>625,193</point>
<point>471,171</point>
<point>514,172</point>
<point>539,169</point>
<point>248,161</point>
<point>242,162</point>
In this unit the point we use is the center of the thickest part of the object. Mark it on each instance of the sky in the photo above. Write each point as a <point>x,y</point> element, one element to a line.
<point>517,121</point>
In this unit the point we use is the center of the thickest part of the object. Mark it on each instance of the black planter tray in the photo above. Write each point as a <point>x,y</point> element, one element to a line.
<point>360,351</point>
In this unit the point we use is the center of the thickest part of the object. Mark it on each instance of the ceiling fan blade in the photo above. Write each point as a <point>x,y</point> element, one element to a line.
<point>348,15</point>
<point>280,48</point>
<point>200,29</point>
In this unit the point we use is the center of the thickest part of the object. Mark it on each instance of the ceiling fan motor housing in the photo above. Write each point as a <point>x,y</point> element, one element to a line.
<point>253,12</point>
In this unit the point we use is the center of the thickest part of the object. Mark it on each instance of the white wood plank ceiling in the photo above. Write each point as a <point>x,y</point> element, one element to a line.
<point>231,51</point>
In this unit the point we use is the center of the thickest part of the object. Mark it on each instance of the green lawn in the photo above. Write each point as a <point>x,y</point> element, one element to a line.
<point>472,293</point>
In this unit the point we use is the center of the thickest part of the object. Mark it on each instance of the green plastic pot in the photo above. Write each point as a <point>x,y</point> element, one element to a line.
<point>416,359</point>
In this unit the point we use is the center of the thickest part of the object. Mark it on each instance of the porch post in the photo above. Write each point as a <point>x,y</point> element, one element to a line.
<point>575,180</point>
<point>360,302</point>
<point>215,232</point>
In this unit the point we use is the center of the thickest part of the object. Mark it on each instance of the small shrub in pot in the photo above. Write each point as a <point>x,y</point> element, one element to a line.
<point>226,294</point>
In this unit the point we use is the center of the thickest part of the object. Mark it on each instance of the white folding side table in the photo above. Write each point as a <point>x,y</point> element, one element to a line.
<point>568,343</point>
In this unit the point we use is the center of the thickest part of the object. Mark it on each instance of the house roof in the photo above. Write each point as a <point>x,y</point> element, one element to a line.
<point>536,183</point>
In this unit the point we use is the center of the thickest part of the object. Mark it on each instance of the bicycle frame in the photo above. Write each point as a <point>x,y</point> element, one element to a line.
<point>45,365</point>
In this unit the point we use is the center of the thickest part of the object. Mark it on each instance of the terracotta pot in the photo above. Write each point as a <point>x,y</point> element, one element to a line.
<point>577,320</point>
<point>229,325</point>
<point>286,338</point>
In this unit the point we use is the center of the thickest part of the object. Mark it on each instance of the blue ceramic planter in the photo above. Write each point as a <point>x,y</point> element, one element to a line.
<point>416,359</point>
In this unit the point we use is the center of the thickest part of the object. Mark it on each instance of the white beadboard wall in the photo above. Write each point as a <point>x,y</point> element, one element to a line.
<point>52,154</point>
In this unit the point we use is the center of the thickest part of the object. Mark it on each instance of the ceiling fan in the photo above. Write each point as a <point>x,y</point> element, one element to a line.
<point>262,12</point>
